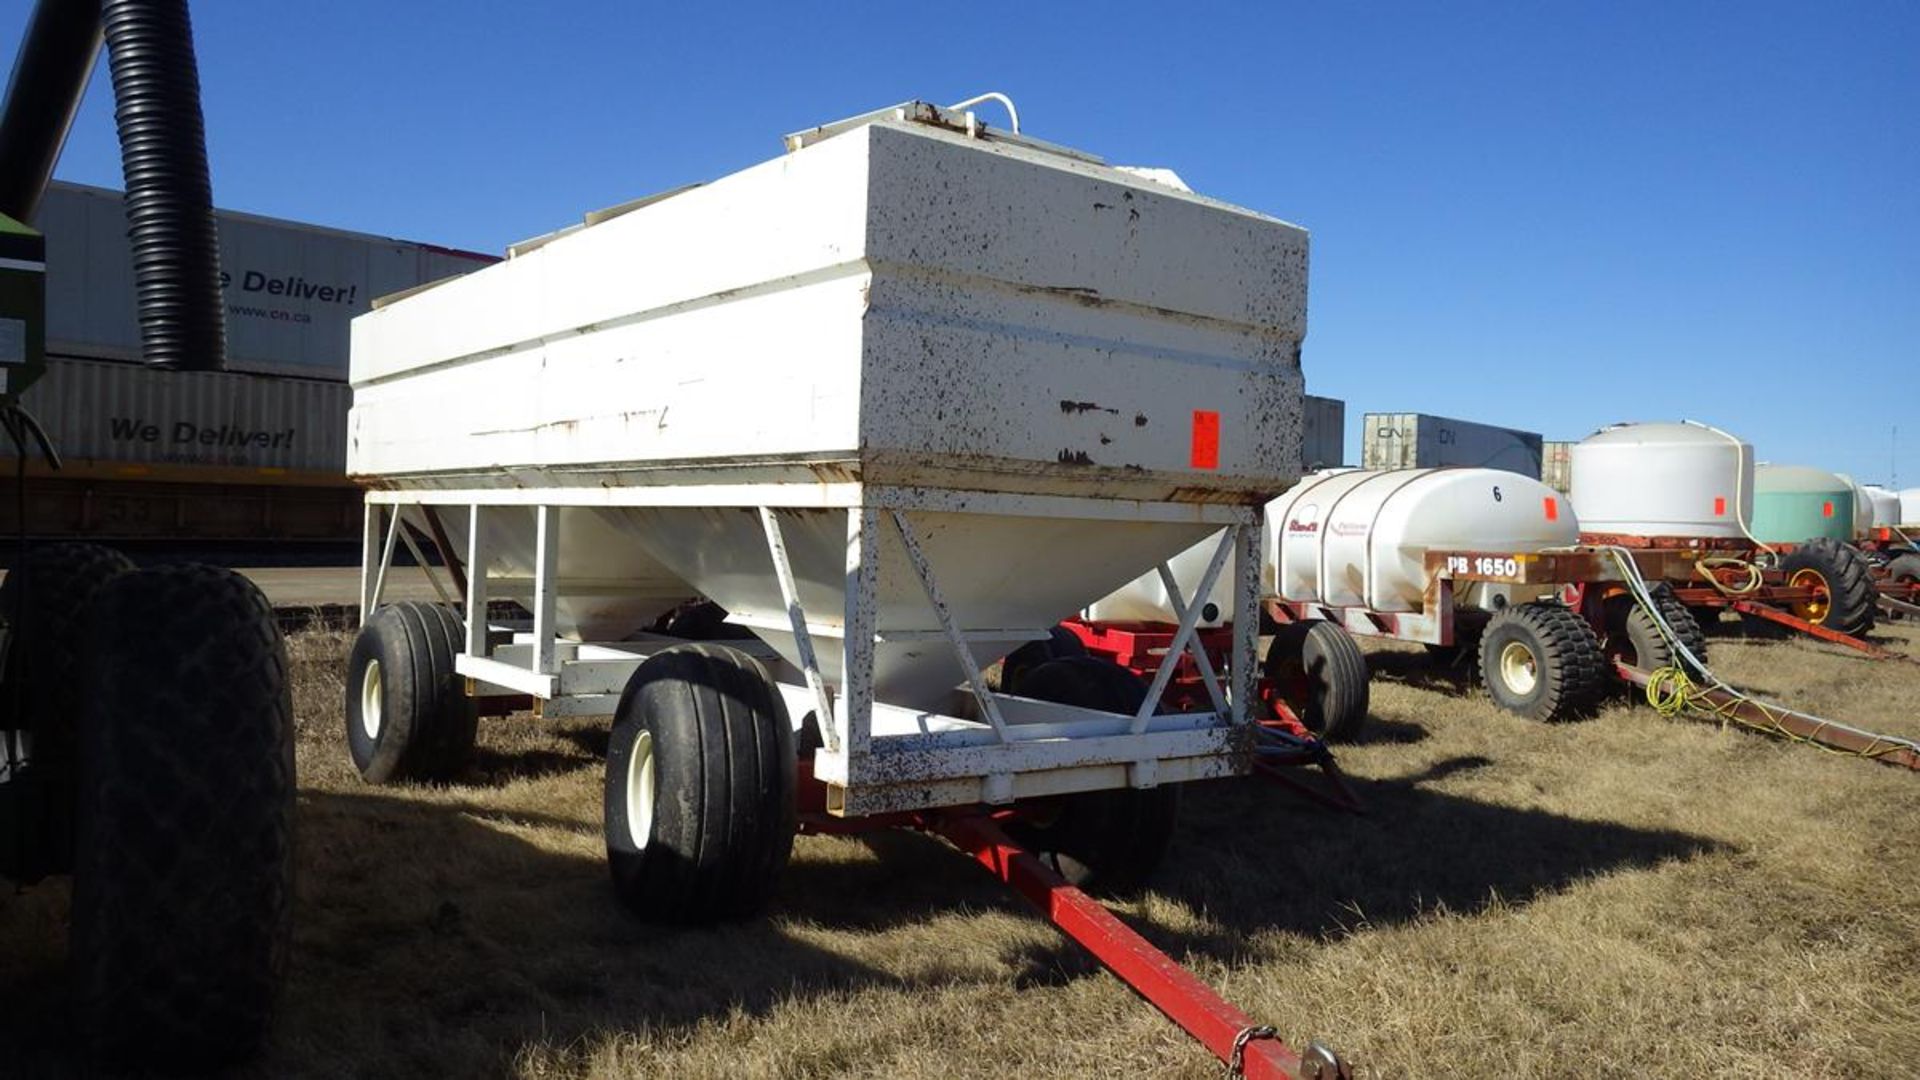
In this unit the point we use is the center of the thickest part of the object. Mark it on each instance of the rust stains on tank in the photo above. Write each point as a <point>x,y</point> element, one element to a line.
<point>1139,419</point>
<point>1071,407</point>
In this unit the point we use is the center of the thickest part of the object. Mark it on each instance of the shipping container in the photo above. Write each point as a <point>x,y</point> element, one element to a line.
<point>148,454</point>
<point>290,288</point>
<point>1556,464</point>
<point>1323,433</point>
<point>1420,441</point>
<point>129,420</point>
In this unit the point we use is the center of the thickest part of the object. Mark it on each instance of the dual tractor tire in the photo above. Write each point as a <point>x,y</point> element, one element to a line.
<point>183,853</point>
<point>1110,841</point>
<point>1319,671</point>
<point>700,787</point>
<point>409,716</point>
<point>1542,661</point>
<point>41,603</point>
<point>1842,580</point>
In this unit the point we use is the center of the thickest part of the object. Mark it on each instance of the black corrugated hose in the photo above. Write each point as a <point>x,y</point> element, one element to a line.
<point>163,151</point>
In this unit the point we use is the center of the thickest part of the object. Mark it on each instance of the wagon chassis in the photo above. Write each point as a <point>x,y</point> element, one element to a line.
<point>992,748</point>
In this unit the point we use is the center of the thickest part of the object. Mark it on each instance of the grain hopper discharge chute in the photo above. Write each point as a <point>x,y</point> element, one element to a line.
<point>918,378</point>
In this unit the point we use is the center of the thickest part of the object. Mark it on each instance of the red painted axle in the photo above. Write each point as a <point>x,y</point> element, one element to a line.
<point>1220,1027</point>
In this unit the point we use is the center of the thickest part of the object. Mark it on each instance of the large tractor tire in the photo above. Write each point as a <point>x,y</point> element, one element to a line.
<point>1102,841</point>
<point>408,713</point>
<point>41,604</point>
<point>1635,640</point>
<point>700,787</point>
<point>1543,662</point>
<point>183,870</point>
<point>1319,671</point>
<point>1845,599</point>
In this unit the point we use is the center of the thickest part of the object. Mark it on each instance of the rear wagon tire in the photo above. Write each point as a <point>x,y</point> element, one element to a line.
<point>1102,841</point>
<point>700,787</point>
<point>408,713</point>
<point>1542,661</point>
<point>1634,639</point>
<point>183,876</point>
<point>1320,672</point>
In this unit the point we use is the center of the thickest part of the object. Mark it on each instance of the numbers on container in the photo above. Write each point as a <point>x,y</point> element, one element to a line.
<point>1489,566</point>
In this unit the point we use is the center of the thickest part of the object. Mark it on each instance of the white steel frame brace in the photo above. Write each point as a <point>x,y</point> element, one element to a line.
<point>876,757</point>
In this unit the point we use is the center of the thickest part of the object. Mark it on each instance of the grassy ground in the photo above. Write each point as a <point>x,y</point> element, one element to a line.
<point>1625,896</point>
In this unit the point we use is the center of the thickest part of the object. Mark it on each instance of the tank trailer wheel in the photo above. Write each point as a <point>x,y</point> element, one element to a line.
<point>41,604</point>
<point>408,713</point>
<point>1904,570</point>
<point>183,869</point>
<point>1542,662</point>
<point>1845,599</point>
<point>1101,841</point>
<point>1319,671</point>
<point>700,787</point>
<point>1633,639</point>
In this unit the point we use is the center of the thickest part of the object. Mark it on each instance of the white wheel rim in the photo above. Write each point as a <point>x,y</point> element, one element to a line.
<point>640,791</point>
<point>1518,669</point>
<point>371,686</point>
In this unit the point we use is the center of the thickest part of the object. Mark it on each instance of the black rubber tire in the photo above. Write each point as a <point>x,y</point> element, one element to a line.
<point>708,729</point>
<point>42,602</point>
<point>426,723</point>
<point>1849,580</point>
<point>183,876</point>
<point>1569,672</point>
<point>1905,569</point>
<point>1016,665</point>
<point>1707,617</point>
<point>1633,638</point>
<point>1107,842</point>
<point>1319,670</point>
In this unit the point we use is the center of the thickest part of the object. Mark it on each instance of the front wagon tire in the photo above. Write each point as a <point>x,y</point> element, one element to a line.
<point>409,716</point>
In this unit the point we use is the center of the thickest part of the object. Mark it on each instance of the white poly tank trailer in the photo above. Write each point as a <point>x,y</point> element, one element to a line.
<point>1886,506</point>
<point>1420,441</point>
<point>898,401</point>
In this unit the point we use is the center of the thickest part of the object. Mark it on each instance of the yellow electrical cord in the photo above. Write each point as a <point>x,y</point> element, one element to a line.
<point>1672,693</point>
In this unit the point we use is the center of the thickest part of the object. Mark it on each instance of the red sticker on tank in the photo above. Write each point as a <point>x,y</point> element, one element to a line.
<point>1553,507</point>
<point>1826,509</point>
<point>1206,439</point>
<point>1719,506</point>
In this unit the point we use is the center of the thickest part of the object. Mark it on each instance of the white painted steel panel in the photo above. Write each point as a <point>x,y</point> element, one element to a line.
<point>1663,479</point>
<point>1420,441</point>
<point>898,304</point>
<point>291,289</point>
<point>1886,506</point>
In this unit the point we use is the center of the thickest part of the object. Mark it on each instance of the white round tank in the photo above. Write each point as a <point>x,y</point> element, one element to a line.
<point>1662,479</point>
<point>1360,538</point>
<point>1910,506</point>
<point>1886,506</point>
<point>1365,534</point>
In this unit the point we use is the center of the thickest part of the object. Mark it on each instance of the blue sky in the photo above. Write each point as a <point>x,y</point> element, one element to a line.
<point>1550,216</point>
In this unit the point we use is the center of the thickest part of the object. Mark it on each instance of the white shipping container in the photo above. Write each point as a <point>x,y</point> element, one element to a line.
<point>134,421</point>
<point>291,289</point>
<point>1420,441</point>
<point>1323,433</point>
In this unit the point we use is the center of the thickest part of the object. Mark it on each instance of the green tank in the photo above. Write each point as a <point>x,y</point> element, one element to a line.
<point>23,307</point>
<point>1795,503</point>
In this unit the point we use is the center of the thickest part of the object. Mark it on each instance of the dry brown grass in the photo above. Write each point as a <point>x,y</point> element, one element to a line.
<point>1625,896</point>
